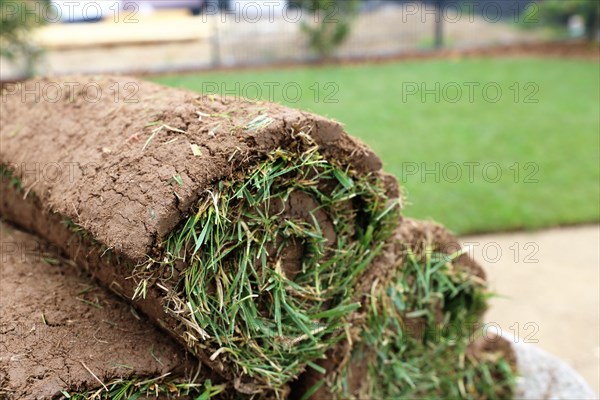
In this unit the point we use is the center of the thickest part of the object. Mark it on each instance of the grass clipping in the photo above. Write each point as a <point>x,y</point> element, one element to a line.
<point>261,287</point>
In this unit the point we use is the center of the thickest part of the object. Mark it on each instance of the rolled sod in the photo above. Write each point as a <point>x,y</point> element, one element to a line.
<point>265,240</point>
<point>421,333</point>
<point>242,228</point>
<point>62,333</point>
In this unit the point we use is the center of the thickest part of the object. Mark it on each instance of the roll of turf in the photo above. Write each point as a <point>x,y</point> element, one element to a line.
<point>421,333</point>
<point>245,229</point>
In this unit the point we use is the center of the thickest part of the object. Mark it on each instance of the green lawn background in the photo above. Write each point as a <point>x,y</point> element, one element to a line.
<point>554,142</point>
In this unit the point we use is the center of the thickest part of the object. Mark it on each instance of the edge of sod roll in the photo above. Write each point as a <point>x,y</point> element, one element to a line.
<point>251,299</point>
<point>58,325</point>
<point>421,334</point>
<point>157,387</point>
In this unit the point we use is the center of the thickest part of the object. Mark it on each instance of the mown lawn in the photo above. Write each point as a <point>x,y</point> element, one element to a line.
<point>544,136</point>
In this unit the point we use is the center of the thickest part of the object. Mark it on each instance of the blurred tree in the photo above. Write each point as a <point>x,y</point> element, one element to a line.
<point>17,18</point>
<point>558,12</point>
<point>331,25</point>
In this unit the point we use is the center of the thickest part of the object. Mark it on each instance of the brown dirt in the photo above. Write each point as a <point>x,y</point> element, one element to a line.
<point>54,319</point>
<point>116,179</point>
<point>416,236</point>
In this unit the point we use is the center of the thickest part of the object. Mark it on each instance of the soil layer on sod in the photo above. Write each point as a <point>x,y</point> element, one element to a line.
<point>58,327</point>
<point>242,228</point>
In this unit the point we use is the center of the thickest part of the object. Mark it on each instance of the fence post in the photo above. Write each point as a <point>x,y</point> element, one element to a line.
<point>215,41</point>
<point>439,24</point>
